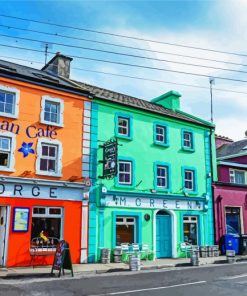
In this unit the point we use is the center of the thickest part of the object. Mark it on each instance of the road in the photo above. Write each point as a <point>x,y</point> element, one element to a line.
<point>227,280</point>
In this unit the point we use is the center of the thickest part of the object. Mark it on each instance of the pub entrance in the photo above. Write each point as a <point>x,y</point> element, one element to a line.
<point>163,235</point>
<point>3,233</point>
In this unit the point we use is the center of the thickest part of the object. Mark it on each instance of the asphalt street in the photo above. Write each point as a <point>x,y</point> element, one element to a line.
<point>227,280</point>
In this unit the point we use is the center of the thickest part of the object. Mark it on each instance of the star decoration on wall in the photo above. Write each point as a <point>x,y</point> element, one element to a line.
<point>26,149</point>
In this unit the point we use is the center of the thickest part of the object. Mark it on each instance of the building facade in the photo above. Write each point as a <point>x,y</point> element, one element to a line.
<point>230,192</point>
<point>42,140</point>
<point>161,195</point>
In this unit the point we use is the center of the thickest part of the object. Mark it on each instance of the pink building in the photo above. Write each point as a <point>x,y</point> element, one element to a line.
<point>230,192</point>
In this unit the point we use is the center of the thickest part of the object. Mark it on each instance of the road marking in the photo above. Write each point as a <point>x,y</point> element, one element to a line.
<point>149,289</point>
<point>235,276</point>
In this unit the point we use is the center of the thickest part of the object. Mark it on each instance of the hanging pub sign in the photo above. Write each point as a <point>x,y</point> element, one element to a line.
<point>110,154</point>
<point>62,259</point>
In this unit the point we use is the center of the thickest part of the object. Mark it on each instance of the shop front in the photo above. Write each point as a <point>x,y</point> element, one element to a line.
<point>34,210</point>
<point>160,221</point>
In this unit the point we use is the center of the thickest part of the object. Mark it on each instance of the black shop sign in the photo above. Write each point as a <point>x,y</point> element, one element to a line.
<point>110,154</point>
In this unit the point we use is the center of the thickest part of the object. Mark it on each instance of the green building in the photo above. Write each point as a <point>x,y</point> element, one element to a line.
<point>162,194</point>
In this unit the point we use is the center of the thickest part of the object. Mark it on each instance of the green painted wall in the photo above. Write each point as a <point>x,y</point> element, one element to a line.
<point>144,152</point>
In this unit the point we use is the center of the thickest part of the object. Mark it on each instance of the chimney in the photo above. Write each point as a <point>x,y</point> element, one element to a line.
<point>170,100</point>
<point>58,65</point>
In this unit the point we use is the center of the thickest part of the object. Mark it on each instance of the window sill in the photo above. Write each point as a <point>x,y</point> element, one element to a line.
<point>52,123</point>
<point>165,145</point>
<point>188,149</point>
<point>165,190</point>
<point>188,192</point>
<point>124,137</point>
<point>124,186</point>
<point>48,174</point>
<point>3,114</point>
<point>4,169</point>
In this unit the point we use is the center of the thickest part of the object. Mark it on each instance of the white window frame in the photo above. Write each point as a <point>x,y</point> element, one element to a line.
<point>16,93</point>
<point>127,127</point>
<point>61,110</point>
<point>12,137</point>
<point>189,180</point>
<point>163,134</point>
<point>189,141</point>
<point>130,173</point>
<point>233,177</point>
<point>47,215</point>
<point>41,141</point>
<point>194,220</point>
<point>162,177</point>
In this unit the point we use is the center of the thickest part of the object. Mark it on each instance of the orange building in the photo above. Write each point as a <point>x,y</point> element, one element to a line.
<point>43,192</point>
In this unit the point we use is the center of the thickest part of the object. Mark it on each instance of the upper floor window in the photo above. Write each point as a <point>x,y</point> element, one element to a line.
<point>52,111</point>
<point>49,158</point>
<point>123,126</point>
<point>125,172</point>
<point>9,101</point>
<point>187,140</point>
<point>237,176</point>
<point>189,180</point>
<point>161,178</point>
<point>160,134</point>
<point>5,152</point>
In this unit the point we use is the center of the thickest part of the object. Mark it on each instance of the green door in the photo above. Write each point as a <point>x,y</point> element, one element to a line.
<point>163,236</point>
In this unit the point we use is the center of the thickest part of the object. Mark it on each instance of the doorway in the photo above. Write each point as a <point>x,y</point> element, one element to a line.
<point>3,233</point>
<point>163,235</point>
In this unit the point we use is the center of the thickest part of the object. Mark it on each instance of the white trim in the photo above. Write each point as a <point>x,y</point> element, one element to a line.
<point>84,232</point>
<point>12,151</point>
<point>16,92</point>
<point>61,110</point>
<point>233,164</point>
<point>173,231</point>
<point>41,141</point>
<point>5,254</point>
<point>125,172</point>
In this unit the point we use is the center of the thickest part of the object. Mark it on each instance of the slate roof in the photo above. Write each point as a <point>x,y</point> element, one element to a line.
<point>20,72</point>
<point>130,101</point>
<point>232,148</point>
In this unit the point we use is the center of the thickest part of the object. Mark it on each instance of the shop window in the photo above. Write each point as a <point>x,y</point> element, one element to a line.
<point>237,176</point>
<point>49,158</point>
<point>233,221</point>
<point>52,111</point>
<point>123,126</point>
<point>125,230</point>
<point>46,222</point>
<point>187,140</point>
<point>190,229</point>
<point>9,101</point>
<point>125,172</point>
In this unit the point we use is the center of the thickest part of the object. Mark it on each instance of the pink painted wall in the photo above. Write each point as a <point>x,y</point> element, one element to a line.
<point>231,196</point>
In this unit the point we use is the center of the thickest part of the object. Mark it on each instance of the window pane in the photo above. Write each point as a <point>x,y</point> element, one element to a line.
<point>2,97</point>
<point>53,117</point>
<point>125,234</point>
<point>43,164</point>
<point>52,151</point>
<point>38,210</point>
<point>47,106</point>
<point>51,227</point>
<point>1,107</point>
<point>47,116</point>
<point>10,99</point>
<point>44,150</point>
<point>4,159</point>
<point>51,165</point>
<point>55,211</point>
<point>9,108</point>
<point>54,108</point>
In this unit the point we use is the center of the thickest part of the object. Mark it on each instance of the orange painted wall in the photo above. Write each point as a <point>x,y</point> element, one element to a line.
<point>70,135</point>
<point>19,242</point>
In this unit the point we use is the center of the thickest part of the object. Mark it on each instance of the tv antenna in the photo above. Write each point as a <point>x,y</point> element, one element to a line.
<point>46,47</point>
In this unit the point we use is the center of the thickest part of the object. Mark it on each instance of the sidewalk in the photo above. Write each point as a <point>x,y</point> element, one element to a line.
<point>98,268</point>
